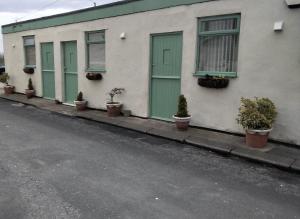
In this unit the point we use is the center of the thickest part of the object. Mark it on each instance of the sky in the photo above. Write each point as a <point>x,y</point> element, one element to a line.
<point>20,10</point>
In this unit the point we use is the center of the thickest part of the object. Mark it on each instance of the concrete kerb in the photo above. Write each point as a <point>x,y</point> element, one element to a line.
<point>251,155</point>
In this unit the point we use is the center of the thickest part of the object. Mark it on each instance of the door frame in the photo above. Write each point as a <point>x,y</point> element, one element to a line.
<point>62,49</point>
<point>42,84</point>
<point>152,35</point>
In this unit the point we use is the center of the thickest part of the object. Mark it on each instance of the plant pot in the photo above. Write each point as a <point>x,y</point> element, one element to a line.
<point>113,109</point>
<point>93,76</point>
<point>182,123</point>
<point>28,70</point>
<point>257,138</point>
<point>9,89</point>
<point>213,82</point>
<point>29,93</point>
<point>80,105</point>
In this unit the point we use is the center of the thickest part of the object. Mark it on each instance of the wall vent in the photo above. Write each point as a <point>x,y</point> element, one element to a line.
<point>293,3</point>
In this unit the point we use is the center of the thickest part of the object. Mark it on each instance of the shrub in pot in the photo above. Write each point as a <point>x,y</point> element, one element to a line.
<point>257,117</point>
<point>80,102</point>
<point>30,92</point>
<point>182,118</point>
<point>8,89</point>
<point>114,108</point>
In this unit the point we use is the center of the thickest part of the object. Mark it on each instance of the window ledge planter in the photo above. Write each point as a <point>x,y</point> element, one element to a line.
<point>213,82</point>
<point>93,76</point>
<point>28,70</point>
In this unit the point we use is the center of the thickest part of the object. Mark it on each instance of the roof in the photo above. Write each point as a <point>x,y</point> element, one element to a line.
<point>120,8</point>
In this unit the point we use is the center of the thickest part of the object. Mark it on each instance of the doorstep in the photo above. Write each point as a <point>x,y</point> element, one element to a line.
<point>274,154</point>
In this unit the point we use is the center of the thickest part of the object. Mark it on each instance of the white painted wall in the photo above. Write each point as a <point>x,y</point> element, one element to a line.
<point>268,65</point>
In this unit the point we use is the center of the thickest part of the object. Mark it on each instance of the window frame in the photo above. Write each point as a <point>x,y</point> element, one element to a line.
<point>25,52</point>
<point>87,43</point>
<point>202,33</point>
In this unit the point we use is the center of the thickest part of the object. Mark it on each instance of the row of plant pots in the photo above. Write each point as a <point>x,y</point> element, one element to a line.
<point>256,115</point>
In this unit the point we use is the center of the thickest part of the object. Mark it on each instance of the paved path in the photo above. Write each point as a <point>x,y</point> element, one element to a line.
<point>53,166</point>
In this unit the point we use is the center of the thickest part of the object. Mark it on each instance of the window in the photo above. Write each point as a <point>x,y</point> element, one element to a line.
<point>29,48</point>
<point>218,46</point>
<point>95,43</point>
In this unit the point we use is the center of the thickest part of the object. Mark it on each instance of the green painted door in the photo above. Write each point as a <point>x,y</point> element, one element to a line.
<point>70,71</point>
<point>48,78</point>
<point>166,60</point>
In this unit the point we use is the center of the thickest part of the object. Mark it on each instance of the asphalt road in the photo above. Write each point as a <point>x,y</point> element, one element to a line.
<point>53,166</point>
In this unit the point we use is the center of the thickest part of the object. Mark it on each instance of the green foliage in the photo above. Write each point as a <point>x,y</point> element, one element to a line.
<point>1,59</point>
<point>182,107</point>
<point>258,114</point>
<point>115,91</point>
<point>30,85</point>
<point>4,78</point>
<point>79,96</point>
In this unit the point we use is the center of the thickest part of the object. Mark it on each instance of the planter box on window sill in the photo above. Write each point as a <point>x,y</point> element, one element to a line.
<point>94,76</point>
<point>28,70</point>
<point>213,82</point>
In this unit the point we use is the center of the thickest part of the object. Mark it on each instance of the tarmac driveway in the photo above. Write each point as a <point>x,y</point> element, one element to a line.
<point>53,166</point>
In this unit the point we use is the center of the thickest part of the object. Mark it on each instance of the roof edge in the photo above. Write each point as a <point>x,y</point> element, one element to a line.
<point>94,13</point>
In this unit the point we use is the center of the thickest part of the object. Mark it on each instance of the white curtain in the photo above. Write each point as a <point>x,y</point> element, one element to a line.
<point>218,53</point>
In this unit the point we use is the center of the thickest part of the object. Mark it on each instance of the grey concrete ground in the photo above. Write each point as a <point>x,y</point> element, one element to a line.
<point>53,166</point>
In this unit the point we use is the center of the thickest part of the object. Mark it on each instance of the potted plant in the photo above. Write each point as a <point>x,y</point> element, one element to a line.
<point>80,102</point>
<point>217,82</point>
<point>28,70</point>
<point>182,118</point>
<point>93,76</point>
<point>8,89</point>
<point>257,117</point>
<point>114,108</point>
<point>30,92</point>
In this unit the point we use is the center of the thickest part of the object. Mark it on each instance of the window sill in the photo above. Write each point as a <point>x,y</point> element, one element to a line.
<point>216,74</point>
<point>29,66</point>
<point>96,70</point>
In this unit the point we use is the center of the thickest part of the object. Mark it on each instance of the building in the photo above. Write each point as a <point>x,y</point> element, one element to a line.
<point>158,49</point>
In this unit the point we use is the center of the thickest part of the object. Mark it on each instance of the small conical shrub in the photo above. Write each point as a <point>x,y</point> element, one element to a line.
<point>79,96</point>
<point>182,107</point>
<point>30,86</point>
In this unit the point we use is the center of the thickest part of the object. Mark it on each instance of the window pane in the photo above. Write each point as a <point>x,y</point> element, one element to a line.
<point>98,36</point>
<point>219,25</point>
<point>30,55</point>
<point>96,55</point>
<point>218,53</point>
<point>28,41</point>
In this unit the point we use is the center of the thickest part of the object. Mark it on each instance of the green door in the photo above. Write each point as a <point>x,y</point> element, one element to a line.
<point>166,58</point>
<point>48,78</point>
<point>70,71</point>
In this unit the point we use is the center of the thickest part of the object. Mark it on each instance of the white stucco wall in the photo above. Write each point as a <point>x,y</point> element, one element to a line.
<point>268,62</point>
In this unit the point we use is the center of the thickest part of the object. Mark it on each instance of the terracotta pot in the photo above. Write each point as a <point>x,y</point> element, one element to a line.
<point>257,138</point>
<point>113,109</point>
<point>182,123</point>
<point>80,105</point>
<point>29,93</point>
<point>9,89</point>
